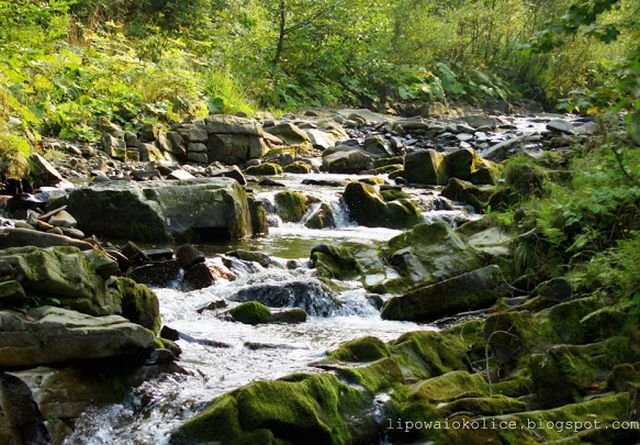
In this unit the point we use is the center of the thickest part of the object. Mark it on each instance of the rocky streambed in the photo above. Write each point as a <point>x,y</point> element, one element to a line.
<point>342,286</point>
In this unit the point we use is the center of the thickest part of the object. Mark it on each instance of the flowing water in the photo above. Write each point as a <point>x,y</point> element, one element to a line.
<point>152,411</point>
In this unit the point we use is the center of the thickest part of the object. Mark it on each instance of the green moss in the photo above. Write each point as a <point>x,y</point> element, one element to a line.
<point>389,169</point>
<point>565,372</point>
<point>291,206</point>
<point>385,162</point>
<point>139,303</point>
<point>450,386</point>
<point>376,377</point>
<point>365,349</point>
<point>486,406</point>
<point>394,194</point>
<point>266,169</point>
<point>368,208</point>
<point>298,167</point>
<point>334,262</point>
<point>251,312</point>
<point>468,193</point>
<point>372,180</point>
<point>425,354</point>
<point>316,409</point>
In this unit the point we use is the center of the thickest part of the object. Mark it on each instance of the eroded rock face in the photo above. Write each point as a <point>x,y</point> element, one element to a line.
<point>233,140</point>
<point>50,335</point>
<point>202,209</point>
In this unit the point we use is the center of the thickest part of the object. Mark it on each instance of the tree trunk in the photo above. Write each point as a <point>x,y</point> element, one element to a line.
<point>281,34</point>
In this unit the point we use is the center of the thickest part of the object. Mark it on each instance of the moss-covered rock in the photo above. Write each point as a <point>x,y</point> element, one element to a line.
<point>472,290</point>
<point>425,167</point>
<point>297,167</point>
<point>249,255</point>
<point>210,209</point>
<point>468,193</point>
<point>317,409</point>
<point>334,262</point>
<point>139,303</point>
<point>266,169</point>
<point>431,252</point>
<point>251,312</point>
<point>565,372</point>
<point>65,276</point>
<point>364,349</point>
<point>291,206</point>
<point>368,208</point>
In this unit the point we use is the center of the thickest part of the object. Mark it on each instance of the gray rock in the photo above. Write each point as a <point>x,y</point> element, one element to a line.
<point>43,173</point>
<point>312,296</point>
<point>560,126</point>
<point>321,139</point>
<point>62,219</point>
<point>378,147</point>
<point>470,291</point>
<point>198,158</point>
<point>198,134</point>
<point>480,120</point>
<point>203,209</point>
<point>180,175</point>
<point>289,133</point>
<point>50,335</point>
<point>351,161</point>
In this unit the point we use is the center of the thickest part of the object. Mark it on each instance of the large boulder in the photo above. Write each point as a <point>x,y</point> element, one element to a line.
<point>48,335</point>
<point>351,160</point>
<point>78,280</point>
<point>201,209</point>
<point>369,208</point>
<point>431,252</point>
<point>233,140</point>
<point>291,206</point>
<point>472,290</point>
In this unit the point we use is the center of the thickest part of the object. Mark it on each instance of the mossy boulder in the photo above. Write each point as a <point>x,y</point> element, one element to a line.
<point>251,312</point>
<point>368,208</point>
<point>431,252</point>
<point>472,290</point>
<point>52,335</point>
<point>139,303</point>
<point>313,409</point>
<point>364,349</point>
<point>265,169</point>
<point>291,206</point>
<point>334,261</point>
<point>211,209</point>
<point>76,279</point>
<point>425,167</point>
<point>468,193</point>
<point>566,372</point>
<point>297,167</point>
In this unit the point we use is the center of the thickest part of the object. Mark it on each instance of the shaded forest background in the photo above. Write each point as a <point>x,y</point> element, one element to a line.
<point>66,64</point>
